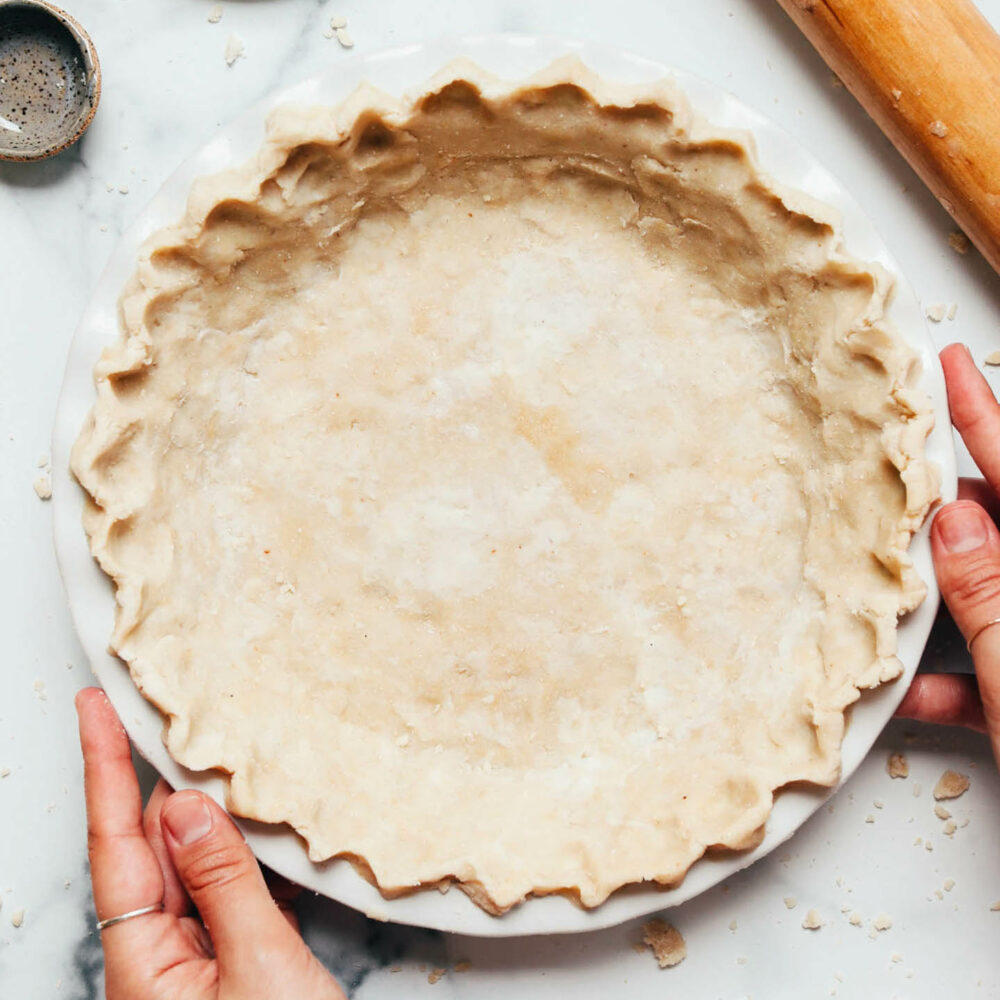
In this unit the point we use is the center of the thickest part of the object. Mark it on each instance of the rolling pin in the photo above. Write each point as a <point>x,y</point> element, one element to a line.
<point>928,73</point>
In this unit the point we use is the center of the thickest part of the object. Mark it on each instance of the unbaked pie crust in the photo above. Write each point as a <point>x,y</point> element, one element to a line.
<point>508,486</point>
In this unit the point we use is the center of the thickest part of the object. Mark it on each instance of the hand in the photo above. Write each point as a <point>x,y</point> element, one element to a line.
<point>966,547</point>
<point>187,853</point>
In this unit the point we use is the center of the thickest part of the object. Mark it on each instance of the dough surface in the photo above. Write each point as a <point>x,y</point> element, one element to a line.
<point>508,485</point>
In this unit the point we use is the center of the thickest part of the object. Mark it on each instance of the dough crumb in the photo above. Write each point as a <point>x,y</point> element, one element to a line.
<point>665,942</point>
<point>39,687</point>
<point>337,22</point>
<point>790,902</point>
<point>878,804</point>
<point>895,957</point>
<point>235,50</point>
<point>949,828</point>
<point>936,313</point>
<point>938,128</point>
<point>995,907</point>
<point>958,241</point>
<point>4,771</point>
<point>43,486</point>
<point>952,311</point>
<point>733,925</point>
<point>215,14</point>
<point>345,39</point>
<point>941,812</point>
<point>463,966</point>
<point>869,818</point>
<point>949,884</point>
<point>395,968</point>
<point>812,921</point>
<point>951,785</point>
<point>918,841</point>
<point>993,358</point>
<point>882,922</point>
<point>916,790</point>
<point>855,919</point>
<point>928,846</point>
<point>17,918</point>
<point>897,766</point>
<point>896,94</point>
<point>741,960</point>
<point>435,974</point>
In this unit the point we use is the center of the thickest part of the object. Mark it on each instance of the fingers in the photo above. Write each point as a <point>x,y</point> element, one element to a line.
<point>223,879</point>
<point>966,548</point>
<point>284,893</point>
<point>980,491</point>
<point>944,699</point>
<point>175,897</point>
<point>123,867</point>
<point>974,410</point>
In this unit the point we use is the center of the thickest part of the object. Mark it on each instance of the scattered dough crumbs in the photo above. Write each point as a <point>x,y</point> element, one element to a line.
<point>936,313</point>
<point>882,922</point>
<point>43,486</point>
<point>215,15</point>
<point>941,812</point>
<point>993,358</point>
<point>234,49</point>
<point>790,902</point>
<point>435,974</point>
<point>665,942</point>
<point>17,918</point>
<point>958,241</point>
<point>898,766</point>
<point>951,785</point>
<point>938,128</point>
<point>812,921</point>
<point>345,39</point>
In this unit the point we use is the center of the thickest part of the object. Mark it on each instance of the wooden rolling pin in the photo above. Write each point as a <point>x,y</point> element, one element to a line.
<point>928,73</point>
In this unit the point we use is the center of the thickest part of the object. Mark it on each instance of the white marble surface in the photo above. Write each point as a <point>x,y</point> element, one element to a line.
<point>167,89</point>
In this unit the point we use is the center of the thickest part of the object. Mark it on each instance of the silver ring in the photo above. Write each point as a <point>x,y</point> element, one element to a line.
<point>111,921</point>
<point>979,631</point>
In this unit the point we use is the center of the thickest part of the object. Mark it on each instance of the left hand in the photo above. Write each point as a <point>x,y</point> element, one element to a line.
<point>220,934</point>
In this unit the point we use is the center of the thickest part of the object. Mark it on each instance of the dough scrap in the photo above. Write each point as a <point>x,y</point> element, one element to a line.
<point>951,785</point>
<point>665,942</point>
<point>436,463</point>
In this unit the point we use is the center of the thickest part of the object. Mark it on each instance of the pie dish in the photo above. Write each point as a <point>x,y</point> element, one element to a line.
<point>619,521</point>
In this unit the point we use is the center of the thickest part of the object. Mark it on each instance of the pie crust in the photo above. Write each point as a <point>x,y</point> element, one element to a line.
<point>508,486</point>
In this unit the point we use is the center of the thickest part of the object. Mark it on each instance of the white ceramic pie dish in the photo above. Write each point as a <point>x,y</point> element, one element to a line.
<point>91,595</point>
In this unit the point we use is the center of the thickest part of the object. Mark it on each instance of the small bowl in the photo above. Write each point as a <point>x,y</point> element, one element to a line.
<point>50,80</point>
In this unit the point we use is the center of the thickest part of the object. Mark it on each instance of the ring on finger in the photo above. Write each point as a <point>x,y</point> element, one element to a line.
<point>141,912</point>
<point>979,631</point>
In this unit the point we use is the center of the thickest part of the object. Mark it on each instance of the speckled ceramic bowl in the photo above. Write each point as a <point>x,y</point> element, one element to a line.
<point>50,80</point>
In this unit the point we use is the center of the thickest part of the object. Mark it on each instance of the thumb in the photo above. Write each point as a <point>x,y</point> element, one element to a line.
<point>966,547</point>
<point>224,881</point>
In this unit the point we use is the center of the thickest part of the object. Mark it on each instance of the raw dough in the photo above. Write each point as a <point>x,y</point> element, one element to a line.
<point>509,486</point>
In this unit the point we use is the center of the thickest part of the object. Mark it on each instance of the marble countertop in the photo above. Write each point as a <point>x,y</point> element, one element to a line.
<point>876,850</point>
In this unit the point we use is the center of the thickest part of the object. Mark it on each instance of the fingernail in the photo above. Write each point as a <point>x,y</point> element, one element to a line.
<point>187,818</point>
<point>962,529</point>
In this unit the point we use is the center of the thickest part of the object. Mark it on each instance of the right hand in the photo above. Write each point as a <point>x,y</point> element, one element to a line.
<point>965,544</point>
